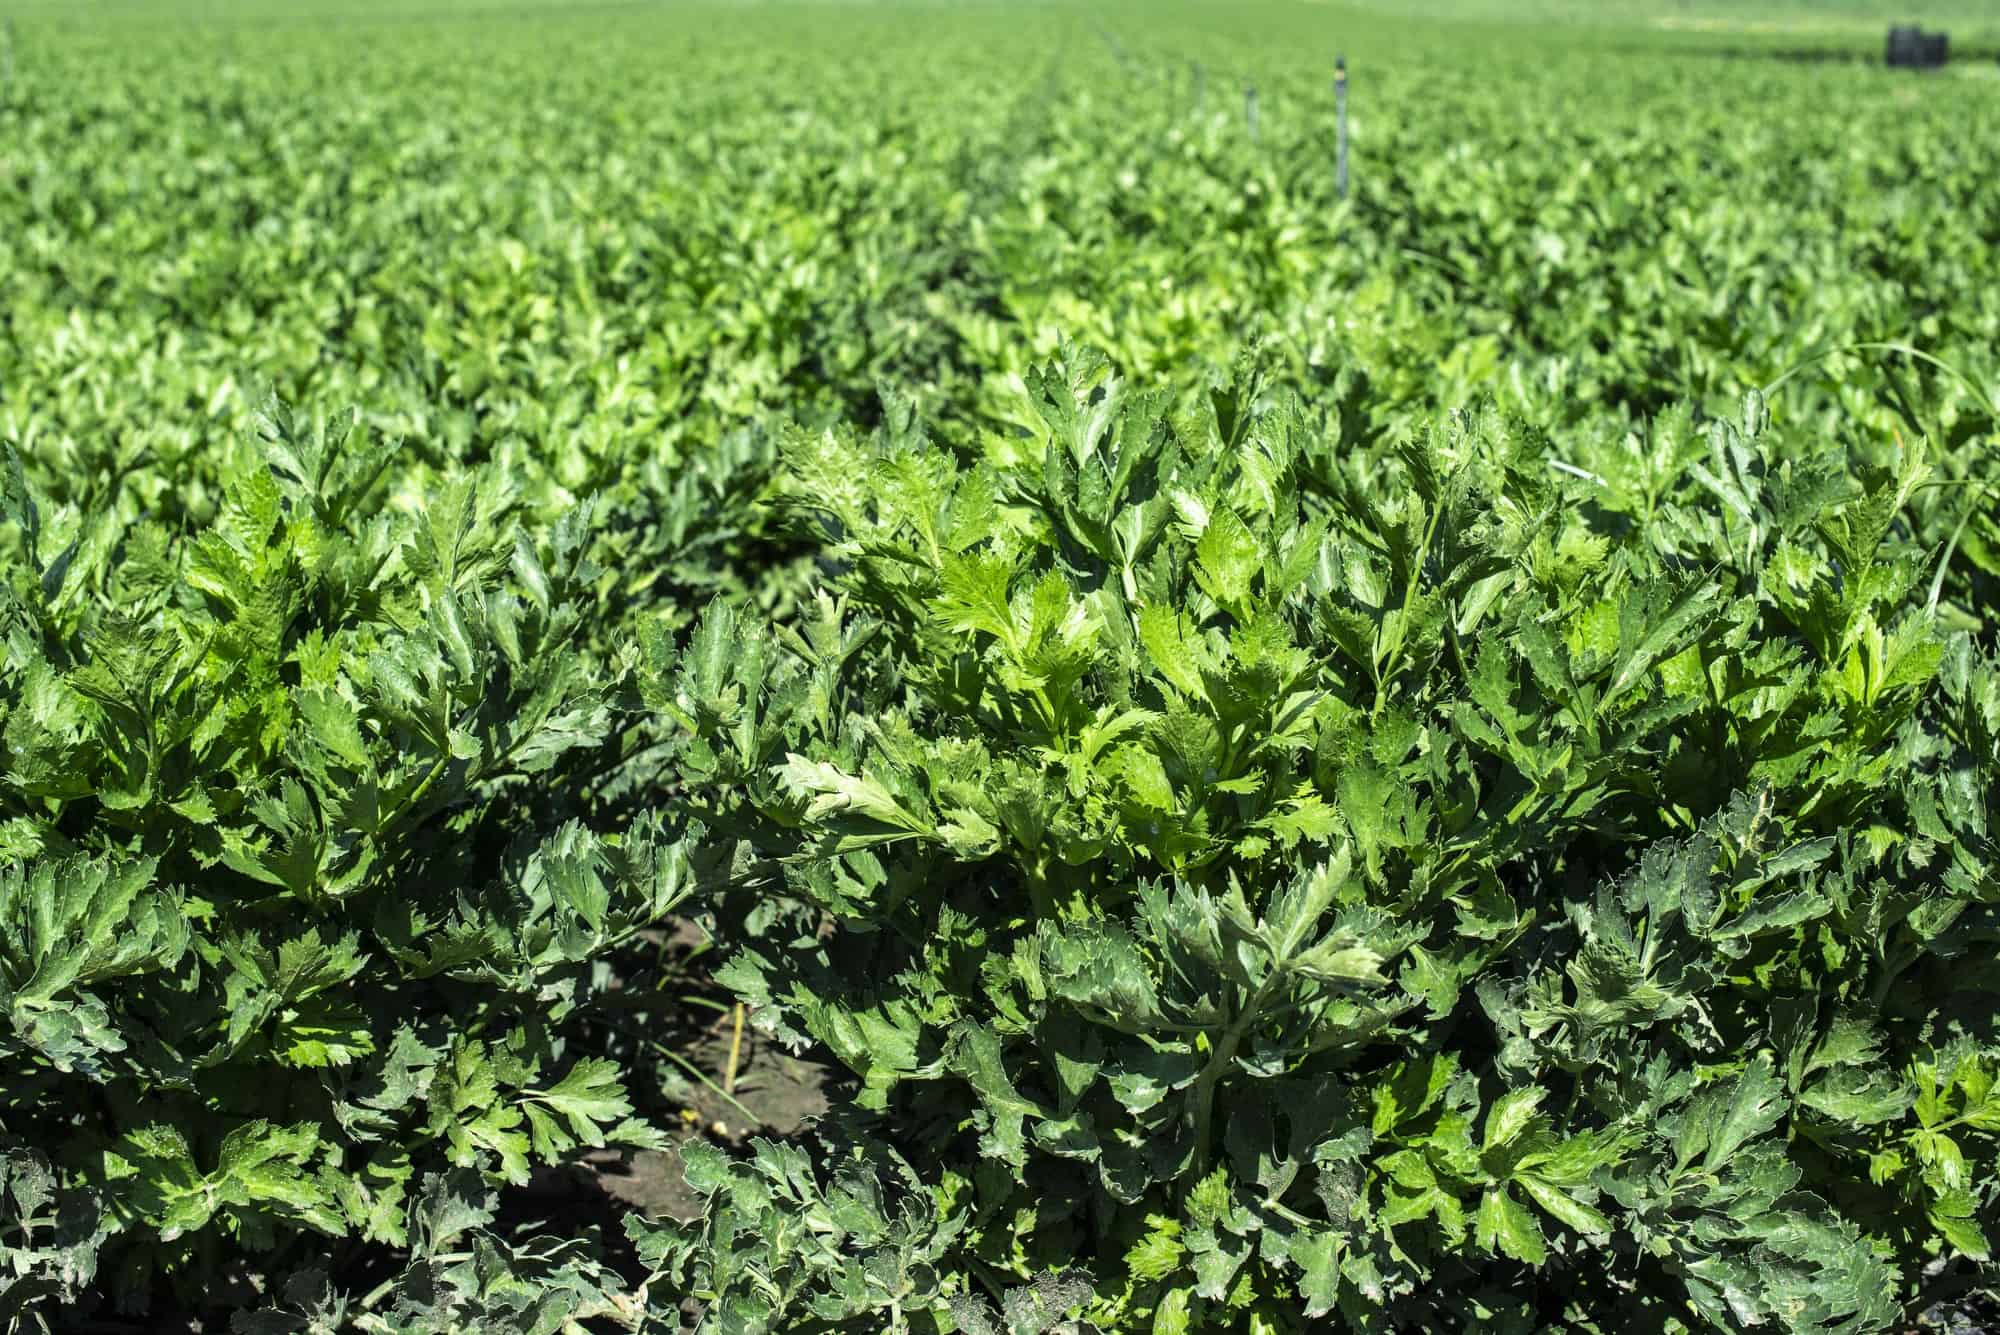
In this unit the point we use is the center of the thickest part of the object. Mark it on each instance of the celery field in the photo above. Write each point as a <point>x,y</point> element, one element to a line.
<point>731,667</point>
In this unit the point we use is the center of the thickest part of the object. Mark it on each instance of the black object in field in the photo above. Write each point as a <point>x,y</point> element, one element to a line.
<point>1912,48</point>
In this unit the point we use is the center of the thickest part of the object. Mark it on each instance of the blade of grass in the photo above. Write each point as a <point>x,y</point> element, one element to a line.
<point>735,1052</point>
<point>688,1066</point>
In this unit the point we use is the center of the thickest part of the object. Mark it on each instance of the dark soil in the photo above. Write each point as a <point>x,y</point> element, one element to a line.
<point>768,1093</point>
<point>782,1091</point>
